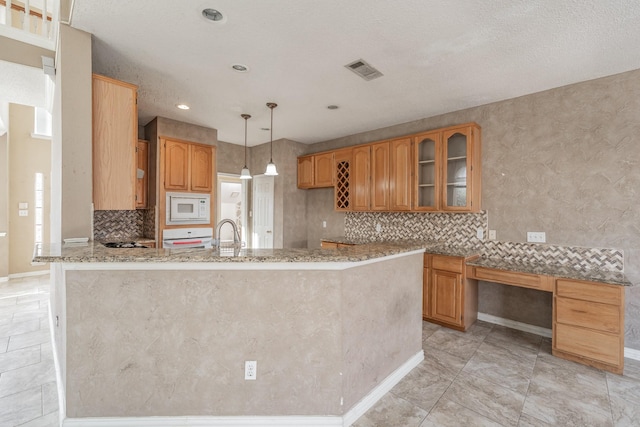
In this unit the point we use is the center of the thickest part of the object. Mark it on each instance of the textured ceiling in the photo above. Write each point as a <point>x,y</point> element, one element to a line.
<point>21,84</point>
<point>436,57</point>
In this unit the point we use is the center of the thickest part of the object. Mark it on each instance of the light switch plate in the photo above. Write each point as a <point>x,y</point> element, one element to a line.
<point>23,205</point>
<point>492,235</point>
<point>23,212</point>
<point>480,233</point>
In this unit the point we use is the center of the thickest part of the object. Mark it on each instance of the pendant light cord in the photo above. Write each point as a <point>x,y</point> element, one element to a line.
<point>245,117</point>
<point>271,106</point>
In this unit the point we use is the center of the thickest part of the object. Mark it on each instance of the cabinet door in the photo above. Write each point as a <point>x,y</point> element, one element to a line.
<point>323,170</point>
<point>400,179</point>
<point>426,186</point>
<point>342,170</point>
<point>201,168</point>
<point>380,160</point>
<point>305,172</point>
<point>142,184</point>
<point>426,277</point>
<point>360,189</point>
<point>446,297</point>
<point>456,169</point>
<point>176,169</point>
<point>115,132</point>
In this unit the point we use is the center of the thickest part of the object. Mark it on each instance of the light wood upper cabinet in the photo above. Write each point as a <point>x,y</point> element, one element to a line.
<point>323,170</point>
<point>142,184</point>
<point>115,132</point>
<point>315,171</point>
<point>176,168</point>
<point>380,159</point>
<point>201,168</point>
<point>188,166</point>
<point>400,174</point>
<point>342,174</point>
<point>360,180</point>
<point>447,169</point>
<point>305,172</point>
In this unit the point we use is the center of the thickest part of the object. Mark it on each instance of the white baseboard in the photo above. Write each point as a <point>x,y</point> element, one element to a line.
<point>525,327</point>
<point>4,279</point>
<point>629,353</point>
<point>29,274</point>
<point>293,421</point>
<point>381,389</point>
<point>249,421</point>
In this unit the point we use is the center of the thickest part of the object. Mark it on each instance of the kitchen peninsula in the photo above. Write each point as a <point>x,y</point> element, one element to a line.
<point>165,333</point>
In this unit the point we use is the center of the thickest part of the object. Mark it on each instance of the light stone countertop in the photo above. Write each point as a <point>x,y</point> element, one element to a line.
<point>565,272</point>
<point>94,252</point>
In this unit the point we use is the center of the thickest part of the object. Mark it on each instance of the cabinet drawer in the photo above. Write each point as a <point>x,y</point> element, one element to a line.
<point>589,291</point>
<point>527,280</point>
<point>328,245</point>
<point>593,315</point>
<point>446,263</point>
<point>595,345</point>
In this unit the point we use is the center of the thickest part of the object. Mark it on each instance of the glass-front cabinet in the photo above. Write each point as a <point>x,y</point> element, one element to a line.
<point>447,174</point>
<point>427,153</point>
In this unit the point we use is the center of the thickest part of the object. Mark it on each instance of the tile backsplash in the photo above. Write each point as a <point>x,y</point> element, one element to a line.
<point>460,229</point>
<point>109,225</point>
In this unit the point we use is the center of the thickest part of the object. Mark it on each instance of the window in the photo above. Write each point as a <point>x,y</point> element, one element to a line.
<point>39,207</point>
<point>42,123</point>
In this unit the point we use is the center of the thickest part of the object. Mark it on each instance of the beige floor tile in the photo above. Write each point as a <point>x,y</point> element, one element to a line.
<point>26,377</point>
<point>493,401</point>
<point>17,359</point>
<point>529,421</point>
<point>29,339</point>
<point>49,420</point>
<point>454,343</point>
<point>512,336</point>
<point>14,328</point>
<point>447,365</point>
<point>448,413</point>
<point>392,411</point>
<point>49,397</point>
<point>422,387</point>
<point>18,408</point>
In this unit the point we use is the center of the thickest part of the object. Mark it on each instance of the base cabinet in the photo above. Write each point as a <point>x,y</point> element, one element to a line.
<point>449,297</point>
<point>588,323</point>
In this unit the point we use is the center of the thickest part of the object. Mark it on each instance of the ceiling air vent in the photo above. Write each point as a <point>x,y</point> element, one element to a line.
<point>364,70</point>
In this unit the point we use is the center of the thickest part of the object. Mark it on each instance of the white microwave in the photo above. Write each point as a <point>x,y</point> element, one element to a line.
<point>188,208</point>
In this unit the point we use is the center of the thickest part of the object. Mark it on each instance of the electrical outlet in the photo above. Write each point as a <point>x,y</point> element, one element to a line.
<point>378,228</point>
<point>324,224</point>
<point>536,236</point>
<point>480,233</point>
<point>492,234</point>
<point>250,369</point>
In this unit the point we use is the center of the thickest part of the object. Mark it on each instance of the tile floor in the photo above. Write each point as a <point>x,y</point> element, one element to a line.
<point>488,376</point>
<point>496,376</point>
<point>28,394</point>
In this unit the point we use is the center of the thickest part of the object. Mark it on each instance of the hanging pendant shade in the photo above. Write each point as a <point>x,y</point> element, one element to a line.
<point>271,167</point>
<point>245,174</point>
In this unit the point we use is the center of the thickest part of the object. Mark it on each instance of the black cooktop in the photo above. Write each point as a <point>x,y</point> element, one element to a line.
<point>124,245</point>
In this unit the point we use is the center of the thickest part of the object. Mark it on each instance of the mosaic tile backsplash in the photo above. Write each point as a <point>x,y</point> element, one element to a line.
<point>461,230</point>
<point>122,224</point>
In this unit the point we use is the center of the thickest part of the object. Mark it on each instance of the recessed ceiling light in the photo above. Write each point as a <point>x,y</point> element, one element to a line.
<point>182,106</point>
<point>332,107</point>
<point>212,15</point>
<point>240,68</point>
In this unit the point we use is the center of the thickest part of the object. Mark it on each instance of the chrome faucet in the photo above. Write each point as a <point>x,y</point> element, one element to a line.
<point>236,234</point>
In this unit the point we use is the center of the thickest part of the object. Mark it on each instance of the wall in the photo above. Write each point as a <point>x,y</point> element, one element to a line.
<point>289,211</point>
<point>27,156</point>
<point>4,206</point>
<point>564,161</point>
<point>71,178</point>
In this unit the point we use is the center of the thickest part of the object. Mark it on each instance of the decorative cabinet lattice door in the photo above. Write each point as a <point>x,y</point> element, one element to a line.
<point>342,174</point>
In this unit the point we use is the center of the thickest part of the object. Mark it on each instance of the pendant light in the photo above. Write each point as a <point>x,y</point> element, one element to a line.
<point>271,167</point>
<point>245,174</point>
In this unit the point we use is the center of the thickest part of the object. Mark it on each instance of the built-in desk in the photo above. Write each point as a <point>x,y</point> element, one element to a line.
<point>588,307</point>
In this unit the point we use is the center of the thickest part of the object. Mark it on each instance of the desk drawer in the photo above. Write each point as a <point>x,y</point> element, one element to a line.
<point>596,345</point>
<point>447,263</point>
<point>526,280</point>
<point>589,291</point>
<point>588,314</point>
